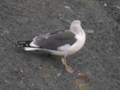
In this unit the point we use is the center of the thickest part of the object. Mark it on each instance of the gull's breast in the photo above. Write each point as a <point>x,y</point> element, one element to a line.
<point>77,45</point>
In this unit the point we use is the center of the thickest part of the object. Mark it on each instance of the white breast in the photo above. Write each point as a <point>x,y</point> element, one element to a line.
<point>78,44</point>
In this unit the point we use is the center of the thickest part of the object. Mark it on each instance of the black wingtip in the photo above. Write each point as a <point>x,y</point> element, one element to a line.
<point>22,44</point>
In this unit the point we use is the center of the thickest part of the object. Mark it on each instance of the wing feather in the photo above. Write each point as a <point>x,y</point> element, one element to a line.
<point>53,41</point>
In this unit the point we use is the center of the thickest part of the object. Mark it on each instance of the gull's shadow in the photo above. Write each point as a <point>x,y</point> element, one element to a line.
<point>47,57</point>
<point>44,56</point>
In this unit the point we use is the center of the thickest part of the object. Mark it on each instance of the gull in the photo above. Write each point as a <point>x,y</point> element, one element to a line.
<point>62,43</point>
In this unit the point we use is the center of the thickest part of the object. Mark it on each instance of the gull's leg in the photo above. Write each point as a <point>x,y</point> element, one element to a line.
<point>68,68</point>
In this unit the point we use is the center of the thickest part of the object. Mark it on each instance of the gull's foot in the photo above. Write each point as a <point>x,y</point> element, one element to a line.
<point>69,69</point>
<point>85,77</point>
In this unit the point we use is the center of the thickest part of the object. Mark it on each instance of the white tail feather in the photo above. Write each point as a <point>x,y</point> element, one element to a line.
<point>31,49</point>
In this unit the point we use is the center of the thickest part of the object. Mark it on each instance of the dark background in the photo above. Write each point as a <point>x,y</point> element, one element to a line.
<point>99,59</point>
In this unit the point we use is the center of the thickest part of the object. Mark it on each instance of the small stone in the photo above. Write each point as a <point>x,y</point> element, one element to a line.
<point>40,67</point>
<point>58,74</point>
<point>105,4</point>
<point>6,81</point>
<point>21,70</point>
<point>67,7</point>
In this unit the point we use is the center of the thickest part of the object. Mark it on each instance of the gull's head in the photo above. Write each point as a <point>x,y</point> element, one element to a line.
<point>75,26</point>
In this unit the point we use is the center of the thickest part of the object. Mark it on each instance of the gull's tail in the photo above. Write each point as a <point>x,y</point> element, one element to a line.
<point>26,46</point>
<point>22,44</point>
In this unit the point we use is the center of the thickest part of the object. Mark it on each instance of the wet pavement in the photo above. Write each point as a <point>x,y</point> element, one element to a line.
<point>99,58</point>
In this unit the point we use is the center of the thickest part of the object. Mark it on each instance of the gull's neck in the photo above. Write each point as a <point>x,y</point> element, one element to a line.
<point>79,31</point>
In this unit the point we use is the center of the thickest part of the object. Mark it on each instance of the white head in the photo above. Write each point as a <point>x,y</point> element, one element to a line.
<point>75,27</point>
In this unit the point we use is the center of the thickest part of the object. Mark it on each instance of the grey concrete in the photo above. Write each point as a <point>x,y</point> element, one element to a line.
<point>99,59</point>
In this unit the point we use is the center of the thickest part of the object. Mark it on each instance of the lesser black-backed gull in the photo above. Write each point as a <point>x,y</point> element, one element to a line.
<point>61,43</point>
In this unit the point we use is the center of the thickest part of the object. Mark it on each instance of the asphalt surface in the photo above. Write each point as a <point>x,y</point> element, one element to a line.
<point>99,59</point>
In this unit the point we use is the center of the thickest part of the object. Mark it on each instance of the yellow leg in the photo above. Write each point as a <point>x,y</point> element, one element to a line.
<point>68,68</point>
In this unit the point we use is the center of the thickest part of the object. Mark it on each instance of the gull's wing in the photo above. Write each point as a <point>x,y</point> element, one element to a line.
<point>54,40</point>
